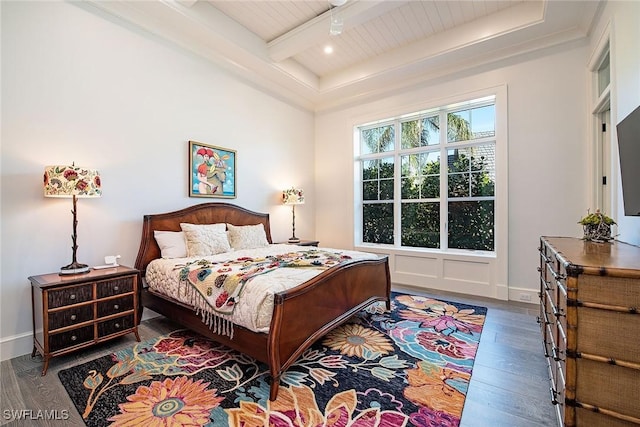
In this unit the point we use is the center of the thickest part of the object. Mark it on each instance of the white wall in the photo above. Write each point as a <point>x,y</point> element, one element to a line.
<point>624,20</point>
<point>548,177</point>
<point>76,87</point>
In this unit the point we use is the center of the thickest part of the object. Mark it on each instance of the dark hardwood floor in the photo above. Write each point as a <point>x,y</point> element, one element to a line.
<point>509,385</point>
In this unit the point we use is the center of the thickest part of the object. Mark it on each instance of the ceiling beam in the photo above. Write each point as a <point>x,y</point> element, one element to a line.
<point>354,12</point>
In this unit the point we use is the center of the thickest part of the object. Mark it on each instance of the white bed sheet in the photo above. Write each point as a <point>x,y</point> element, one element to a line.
<point>255,307</point>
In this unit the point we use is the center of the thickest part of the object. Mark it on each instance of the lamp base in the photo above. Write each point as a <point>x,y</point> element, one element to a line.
<point>293,240</point>
<point>74,268</point>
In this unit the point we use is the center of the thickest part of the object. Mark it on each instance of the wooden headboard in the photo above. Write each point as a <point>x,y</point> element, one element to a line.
<point>204,213</point>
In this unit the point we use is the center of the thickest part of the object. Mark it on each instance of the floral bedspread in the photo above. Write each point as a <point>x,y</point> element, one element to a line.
<point>221,283</point>
<point>254,308</point>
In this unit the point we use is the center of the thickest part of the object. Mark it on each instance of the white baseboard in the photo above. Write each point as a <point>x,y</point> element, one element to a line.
<point>16,345</point>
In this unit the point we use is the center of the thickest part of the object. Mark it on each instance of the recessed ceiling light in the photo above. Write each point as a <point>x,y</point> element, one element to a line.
<point>328,49</point>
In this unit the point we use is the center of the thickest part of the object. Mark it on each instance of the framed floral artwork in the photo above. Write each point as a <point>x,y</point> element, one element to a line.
<point>212,171</point>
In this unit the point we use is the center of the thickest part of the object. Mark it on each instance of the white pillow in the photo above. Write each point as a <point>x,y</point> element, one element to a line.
<point>247,236</point>
<point>172,244</point>
<point>205,239</point>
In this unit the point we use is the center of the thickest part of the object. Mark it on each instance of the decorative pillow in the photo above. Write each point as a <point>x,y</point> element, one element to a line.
<point>247,236</point>
<point>171,243</point>
<point>205,239</point>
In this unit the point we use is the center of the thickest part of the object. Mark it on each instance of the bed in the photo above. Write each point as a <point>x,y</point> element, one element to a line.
<point>300,315</point>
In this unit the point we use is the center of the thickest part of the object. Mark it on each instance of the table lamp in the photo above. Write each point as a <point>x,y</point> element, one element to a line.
<point>72,182</point>
<point>293,196</point>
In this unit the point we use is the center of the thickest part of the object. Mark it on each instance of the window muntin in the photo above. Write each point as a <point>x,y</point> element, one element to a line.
<point>418,214</point>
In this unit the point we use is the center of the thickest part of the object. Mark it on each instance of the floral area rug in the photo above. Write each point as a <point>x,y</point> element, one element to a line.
<point>407,367</point>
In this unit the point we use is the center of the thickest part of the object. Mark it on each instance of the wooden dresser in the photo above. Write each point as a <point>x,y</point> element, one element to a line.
<point>80,310</point>
<point>590,322</point>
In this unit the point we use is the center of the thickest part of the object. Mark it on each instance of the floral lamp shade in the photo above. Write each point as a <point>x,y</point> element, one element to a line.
<point>72,182</point>
<point>293,196</point>
<point>69,181</point>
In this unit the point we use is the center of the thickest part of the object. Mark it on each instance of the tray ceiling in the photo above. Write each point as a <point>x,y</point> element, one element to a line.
<point>384,45</point>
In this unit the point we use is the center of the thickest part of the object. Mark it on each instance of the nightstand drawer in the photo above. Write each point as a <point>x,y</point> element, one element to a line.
<point>72,312</point>
<point>112,287</point>
<point>114,326</point>
<point>70,338</point>
<point>71,316</point>
<point>70,295</point>
<point>116,305</point>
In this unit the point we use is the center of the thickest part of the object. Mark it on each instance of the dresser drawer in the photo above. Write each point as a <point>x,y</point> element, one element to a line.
<point>71,316</point>
<point>597,328</point>
<point>112,287</point>
<point>114,326</point>
<point>608,386</point>
<point>114,306</point>
<point>70,338</point>
<point>71,295</point>
<point>618,291</point>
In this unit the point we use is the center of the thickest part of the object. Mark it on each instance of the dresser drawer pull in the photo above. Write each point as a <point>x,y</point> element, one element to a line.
<point>115,288</point>
<point>72,296</point>
<point>555,356</point>
<point>117,325</point>
<point>116,306</point>
<point>74,338</point>
<point>73,317</point>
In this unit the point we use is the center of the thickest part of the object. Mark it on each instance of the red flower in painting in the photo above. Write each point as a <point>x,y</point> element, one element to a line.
<point>96,181</point>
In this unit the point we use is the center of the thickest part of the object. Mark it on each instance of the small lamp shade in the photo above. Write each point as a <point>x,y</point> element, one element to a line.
<point>72,182</point>
<point>293,196</point>
<point>69,181</point>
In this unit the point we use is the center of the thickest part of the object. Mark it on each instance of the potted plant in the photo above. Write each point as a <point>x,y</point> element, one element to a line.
<point>597,226</point>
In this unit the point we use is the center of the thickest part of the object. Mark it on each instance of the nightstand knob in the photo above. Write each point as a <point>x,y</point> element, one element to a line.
<point>116,306</point>
<point>115,288</point>
<point>72,296</point>
<point>73,337</point>
<point>73,317</point>
<point>117,325</point>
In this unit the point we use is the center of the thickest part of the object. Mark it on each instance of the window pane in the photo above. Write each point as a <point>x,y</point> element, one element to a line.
<point>430,187</point>
<point>471,225</point>
<point>374,184</point>
<point>471,171</point>
<point>386,167</point>
<point>420,175</point>
<point>370,190</point>
<point>473,123</point>
<point>458,185</point>
<point>377,140</point>
<point>604,77</point>
<point>377,223</point>
<point>420,132</point>
<point>370,169</point>
<point>421,225</point>
<point>386,189</point>
<point>482,184</point>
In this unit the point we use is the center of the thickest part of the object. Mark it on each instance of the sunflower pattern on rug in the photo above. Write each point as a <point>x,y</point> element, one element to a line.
<point>409,366</point>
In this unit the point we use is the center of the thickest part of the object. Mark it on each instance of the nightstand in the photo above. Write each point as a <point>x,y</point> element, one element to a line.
<point>77,311</point>
<point>302,243</point>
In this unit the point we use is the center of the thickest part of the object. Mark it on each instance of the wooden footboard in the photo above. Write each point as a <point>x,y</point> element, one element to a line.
<point>307,312</point>
<point>301,315</point>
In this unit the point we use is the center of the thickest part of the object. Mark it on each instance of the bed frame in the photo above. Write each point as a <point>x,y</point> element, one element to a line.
<point>300,316</point>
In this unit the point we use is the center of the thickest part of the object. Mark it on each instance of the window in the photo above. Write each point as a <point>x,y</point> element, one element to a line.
<point>410,197</point>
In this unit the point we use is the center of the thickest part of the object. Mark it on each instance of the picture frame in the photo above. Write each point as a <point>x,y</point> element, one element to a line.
<point>212,171</point>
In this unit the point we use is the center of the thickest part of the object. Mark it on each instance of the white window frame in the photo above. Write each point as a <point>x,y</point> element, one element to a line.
<point>480,273</point>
